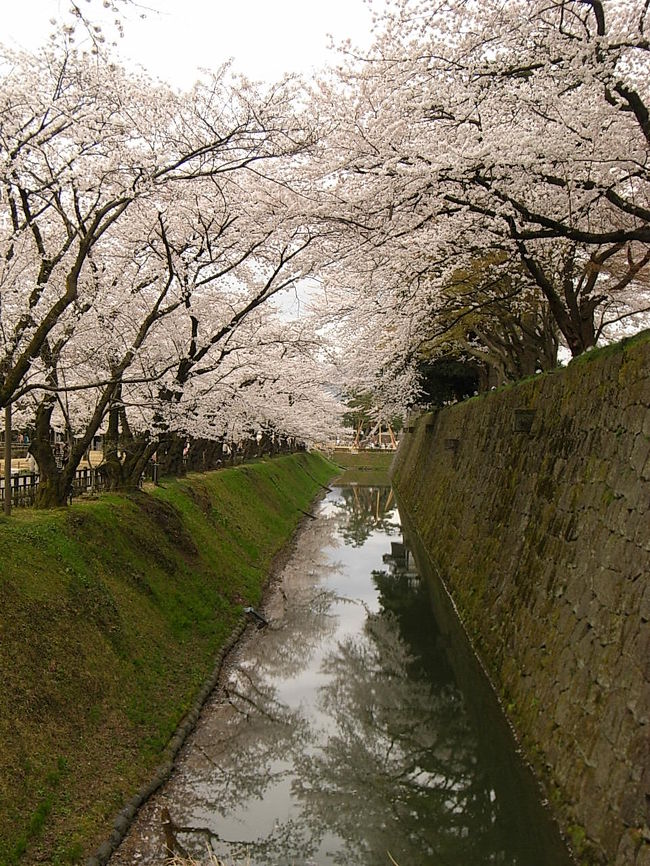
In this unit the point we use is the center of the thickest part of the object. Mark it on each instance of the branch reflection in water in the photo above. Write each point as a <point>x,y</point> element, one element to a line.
<point>341,736</point>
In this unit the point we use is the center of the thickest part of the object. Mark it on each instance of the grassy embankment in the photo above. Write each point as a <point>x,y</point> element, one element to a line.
<point>111,614</point>
<point>365,467</point>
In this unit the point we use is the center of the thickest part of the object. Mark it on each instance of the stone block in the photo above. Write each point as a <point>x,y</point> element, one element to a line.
<point>612,715</point>
<point>632,808</point>
<point>602,759</point>
<point>593,496</point>
<point>625,523</point>
<point>644,601</point>
<point>642,856</point>
<point>627,849</point>
<point>645,471</point>
<point>642,535</point>
<point>624,674</point>
<point>633,418</point>
<point>121,824</point>
<point>129,811</point>
<point>638,704</point>
<point>585,649</point>
<point>606,583</point>
<point>104,852</point>
<point>637,389</point>
<point>640,453</point>
<point>638,651</point>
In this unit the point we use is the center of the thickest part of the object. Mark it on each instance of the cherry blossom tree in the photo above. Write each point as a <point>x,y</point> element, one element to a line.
<point>496,318</point>
<point>112,344</point>
<point>515,131</point>
<point>125,204</point>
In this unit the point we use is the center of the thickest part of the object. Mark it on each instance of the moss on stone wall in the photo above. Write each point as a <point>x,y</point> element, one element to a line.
<point>543,537</point>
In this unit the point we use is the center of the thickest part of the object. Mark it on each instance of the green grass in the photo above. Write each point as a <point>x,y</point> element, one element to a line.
<point>111,615</point>
<point>365,467</point>
<point>612,348</point>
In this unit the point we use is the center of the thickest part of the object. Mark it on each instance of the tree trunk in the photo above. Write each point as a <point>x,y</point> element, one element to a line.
<point>170,455</point>
<point>111,466</point>
<point>248,448</point>
<point>55,482</point>
<point>205,454</point>
<point>136,462</point>
<point>125,455</point>
<point>573,314</point>
<point>264,446</point>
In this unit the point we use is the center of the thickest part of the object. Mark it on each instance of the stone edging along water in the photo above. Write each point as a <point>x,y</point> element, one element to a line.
<point>541,531</point>
<point>484,701</point>
<point>127,814</point>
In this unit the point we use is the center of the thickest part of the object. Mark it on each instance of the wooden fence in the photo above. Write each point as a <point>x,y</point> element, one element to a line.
<point>25,484</point>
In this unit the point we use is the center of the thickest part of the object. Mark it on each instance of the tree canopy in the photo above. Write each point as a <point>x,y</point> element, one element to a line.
<point>472,192</point>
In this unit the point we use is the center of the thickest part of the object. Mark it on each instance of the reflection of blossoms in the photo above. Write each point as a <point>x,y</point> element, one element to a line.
<point>366,510</point>
<point>341,752</point>
<point>400,764</point>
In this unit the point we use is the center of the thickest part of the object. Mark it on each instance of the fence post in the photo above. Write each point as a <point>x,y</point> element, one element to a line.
<point>7,469</point>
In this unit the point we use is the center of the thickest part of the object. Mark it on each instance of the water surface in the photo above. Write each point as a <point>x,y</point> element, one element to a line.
<point>343,734</point>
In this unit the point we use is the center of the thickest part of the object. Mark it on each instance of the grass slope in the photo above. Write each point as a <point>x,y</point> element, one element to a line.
<point>111,614</point>
<point>364,467</point>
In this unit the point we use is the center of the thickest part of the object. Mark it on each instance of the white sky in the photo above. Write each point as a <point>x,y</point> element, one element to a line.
<point>266,38</point>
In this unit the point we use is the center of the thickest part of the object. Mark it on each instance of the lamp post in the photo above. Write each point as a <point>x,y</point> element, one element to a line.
<point>7,469</point>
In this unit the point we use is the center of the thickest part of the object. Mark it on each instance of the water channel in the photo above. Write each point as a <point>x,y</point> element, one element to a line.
<point>354,728</point>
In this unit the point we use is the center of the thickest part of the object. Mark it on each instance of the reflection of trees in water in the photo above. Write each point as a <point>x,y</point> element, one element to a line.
<point>399,772</point>
<point>395,768</point>
<point>307,619</point>
<point>244,752</point>
<point>308,622</point>
<point>367,510</point>
<point>244,759</point>
<point>246,748</point>
<point>408,601</point>
<point>289,842</point>
<point>241,759</point>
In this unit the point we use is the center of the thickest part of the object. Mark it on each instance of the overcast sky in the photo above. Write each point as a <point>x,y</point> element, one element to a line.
<point>265,37</point>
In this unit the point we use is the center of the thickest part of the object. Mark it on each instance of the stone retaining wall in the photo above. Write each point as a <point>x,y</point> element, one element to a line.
<point>539,521</point>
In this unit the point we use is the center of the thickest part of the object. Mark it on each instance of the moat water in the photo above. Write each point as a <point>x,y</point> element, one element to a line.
<point>354,728</point>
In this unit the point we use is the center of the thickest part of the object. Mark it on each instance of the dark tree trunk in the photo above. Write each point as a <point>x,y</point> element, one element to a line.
<point>137,460</point>
<point>53,491</point>
<point>170,455</point>
<point>248,448</point>
<point>205,454</point>
<point>265,445</point>
<point>572,309</point>
<point>210,454</point>
<point>55,482</point>
<point>125,474</point>
<point>111,466</point>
